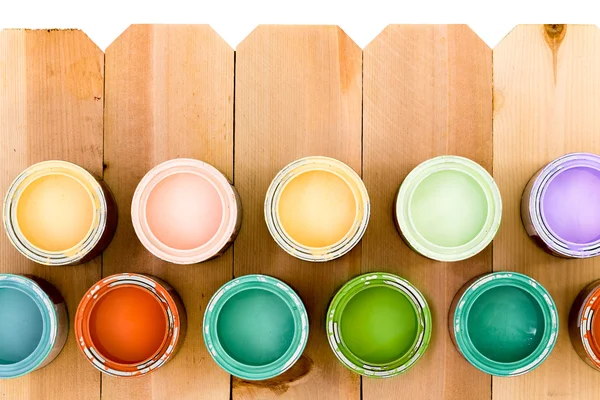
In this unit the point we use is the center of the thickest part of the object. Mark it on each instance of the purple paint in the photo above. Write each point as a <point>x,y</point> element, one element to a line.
<point>571,204</point>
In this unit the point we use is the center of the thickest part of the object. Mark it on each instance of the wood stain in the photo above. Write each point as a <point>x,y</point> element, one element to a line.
<point>130,324</point>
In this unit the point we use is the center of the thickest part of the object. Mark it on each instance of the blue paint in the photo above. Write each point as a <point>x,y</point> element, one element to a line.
<point>21,326</point>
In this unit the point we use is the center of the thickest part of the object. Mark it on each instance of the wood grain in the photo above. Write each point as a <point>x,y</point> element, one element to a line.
<point>169,94</point>
<point>427,92</point>
<point>51,93</point>
<point>298,93</point>
<point>546,104</point>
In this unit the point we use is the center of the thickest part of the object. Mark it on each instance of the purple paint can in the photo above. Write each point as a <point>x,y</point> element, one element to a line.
<point>560,207</point>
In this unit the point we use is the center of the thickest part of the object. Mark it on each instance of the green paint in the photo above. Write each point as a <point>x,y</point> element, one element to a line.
<point>379,324</point>
<point>505,324</point>
<point>255,327</point>
<point>449,208</point>
<point>21,326</point>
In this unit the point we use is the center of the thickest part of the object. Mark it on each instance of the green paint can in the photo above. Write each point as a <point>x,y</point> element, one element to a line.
<point>255,327</point>
<point>504,323</point>
<point>448,208</point>
<point>379,325</point>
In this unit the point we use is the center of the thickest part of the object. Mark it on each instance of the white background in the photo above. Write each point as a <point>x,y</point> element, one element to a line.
<point>104,20</point>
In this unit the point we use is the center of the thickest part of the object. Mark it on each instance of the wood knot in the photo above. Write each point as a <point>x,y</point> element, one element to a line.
<point>554,34</point>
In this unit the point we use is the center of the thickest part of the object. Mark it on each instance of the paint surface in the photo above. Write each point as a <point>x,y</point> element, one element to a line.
<point>128,325</point>
<point>505,324</point>
<point>184,211</point>
<point>255,327</point>
<point>448,208</point>
<point>379,325</point>
<point>317,209</point>
<point>55,212</point>
<point>21,326</point>
<point>571,205</point>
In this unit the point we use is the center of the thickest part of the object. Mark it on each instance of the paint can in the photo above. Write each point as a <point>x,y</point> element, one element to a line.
<point>185,211</point>
<point>33,324</point>
<point>379,325</point>
<point>255,327</point>
<point>560,207</point>
<point>503,323</point>
<point>584,325</point>
<point>57,213</point>
<point>317,209</point>
<point>129,325</point>
<point>448,208</point>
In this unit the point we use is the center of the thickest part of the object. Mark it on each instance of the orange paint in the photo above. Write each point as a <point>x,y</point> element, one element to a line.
<point>128,324</point>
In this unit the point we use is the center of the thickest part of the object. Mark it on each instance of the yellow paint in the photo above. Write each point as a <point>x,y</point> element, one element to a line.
<point>55,212</point>
<point>317,208</point>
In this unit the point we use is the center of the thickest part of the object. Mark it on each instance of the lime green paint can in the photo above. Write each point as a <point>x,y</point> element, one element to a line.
<point>255,327</point>
<point>379,325</point>
<point>504,323</point>
<point>448,208</point>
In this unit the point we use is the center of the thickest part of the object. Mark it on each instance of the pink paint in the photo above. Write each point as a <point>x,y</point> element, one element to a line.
<point>184,211</point>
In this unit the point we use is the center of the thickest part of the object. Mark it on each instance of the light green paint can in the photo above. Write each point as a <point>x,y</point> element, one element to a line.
<point>255,327</point>
<point>448,208</point>
<point>379,325</point>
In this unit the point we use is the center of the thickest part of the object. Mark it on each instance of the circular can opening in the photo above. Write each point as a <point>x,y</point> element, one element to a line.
<point>255,327</point>
<point>570,205</point>
<point>379,325</point>
<point>21,326</point>
<point>184,211</point>
<point>128,325</point>
<point>506,324</point>
<point>55,212</point>
<point>317,208</point>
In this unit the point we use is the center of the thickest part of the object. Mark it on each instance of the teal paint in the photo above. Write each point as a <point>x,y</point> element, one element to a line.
<point>504,323</point>
<point>378,325</point>
<point>21,326</point>
<point>448,208</point>
<point>255,327</point>
<point>33,324</point>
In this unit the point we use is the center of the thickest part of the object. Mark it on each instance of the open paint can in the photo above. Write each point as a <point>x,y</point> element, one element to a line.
<point>33,324</point>
<point>129,325</point>
<point>317,208</point>
<point>57,213</point>
<point>584,324</point>
<point>255,327</point>
<point>560,207</point>
<point>503,323</point>
<point>185,211</point>
<point>448,208</point>
<point>379,325</point>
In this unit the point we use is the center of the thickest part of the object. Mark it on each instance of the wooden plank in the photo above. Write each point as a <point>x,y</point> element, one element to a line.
<point>298,93</point>
<point>546,86</point>
<point>169,94</point>
<point>51,93</point>
<point>427,92</point>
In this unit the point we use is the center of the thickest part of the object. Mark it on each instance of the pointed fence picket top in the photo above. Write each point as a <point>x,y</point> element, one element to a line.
<point>51,97</point>
<point>427,92</point>
<point>169,94</point>
<point>546,85</point>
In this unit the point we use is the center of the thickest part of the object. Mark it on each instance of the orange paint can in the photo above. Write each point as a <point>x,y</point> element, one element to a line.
<point>584,324</point>
<point>129,325</point>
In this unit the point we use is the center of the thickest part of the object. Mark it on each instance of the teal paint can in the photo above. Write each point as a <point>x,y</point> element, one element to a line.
<point>255,327</point>
<point>33,324</point>
<point>504,323</point>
